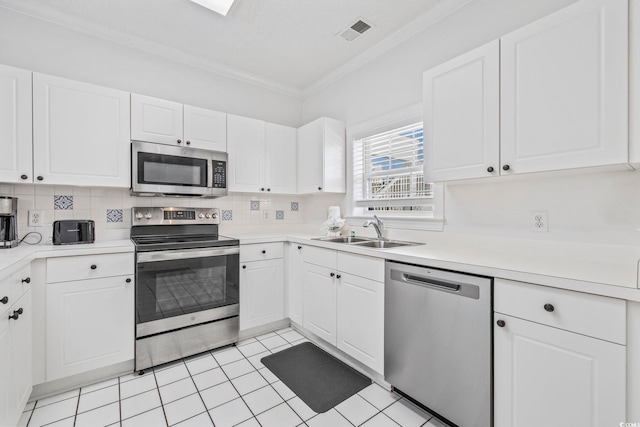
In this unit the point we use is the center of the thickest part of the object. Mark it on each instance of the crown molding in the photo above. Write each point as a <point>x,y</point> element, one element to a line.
<point>419,24</point>
<point>49,14</point>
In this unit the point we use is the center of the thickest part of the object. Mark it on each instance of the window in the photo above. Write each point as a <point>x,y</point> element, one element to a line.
<point>388,172</point>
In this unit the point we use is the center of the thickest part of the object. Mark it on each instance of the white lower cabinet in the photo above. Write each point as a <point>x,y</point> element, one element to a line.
<point>320,301</point>
<point>548,376</point>
<point>295,281</point>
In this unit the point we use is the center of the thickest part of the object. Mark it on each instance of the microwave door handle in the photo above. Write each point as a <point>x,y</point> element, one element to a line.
<point>210,173</point>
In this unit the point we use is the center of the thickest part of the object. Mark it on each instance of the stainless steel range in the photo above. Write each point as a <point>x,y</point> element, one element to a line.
<point>187,287</point>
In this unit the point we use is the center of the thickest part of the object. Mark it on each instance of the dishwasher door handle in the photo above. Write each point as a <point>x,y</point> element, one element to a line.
<point>460,289</point>
<point>432,283</point>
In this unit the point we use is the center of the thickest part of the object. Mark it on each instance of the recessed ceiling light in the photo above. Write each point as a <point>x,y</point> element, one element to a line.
<point>219,6</point>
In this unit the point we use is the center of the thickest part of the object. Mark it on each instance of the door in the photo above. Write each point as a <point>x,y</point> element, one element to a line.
<point>206,129</point>
<point>320,301</point>
<point>564,89</point>
<point>80,133</point>
<point>462,116</point>
<point>261,293</point>
<point>245,145</point>
<point>15,125</point>
<point>295,283</point>
<point>90,325</point>
<point>156,120</point>
<point>361,320</point>
<point>546,376</point>
<point>280,159</point>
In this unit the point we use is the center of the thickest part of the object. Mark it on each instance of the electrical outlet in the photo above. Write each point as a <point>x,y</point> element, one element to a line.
<point>36,219</point>
<point>540,221</point>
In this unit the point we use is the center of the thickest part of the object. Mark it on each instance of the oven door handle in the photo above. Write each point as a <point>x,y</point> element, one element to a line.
<point>186,254</point>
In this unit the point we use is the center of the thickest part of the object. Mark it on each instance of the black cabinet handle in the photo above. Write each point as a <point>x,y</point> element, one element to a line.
<point>262,189</point>
<point>332,274</point>
<point>128,280</point>
<point>501,323</point>
<point>40,178</point>
<point>506,167</point>
<point>93,266</point>
<point>188,142</point>
<point>179,141</point>
<point>299,247</point>
<point>338,276</point>
<point>549,307</point>
<point>20,311</point>
<point>320,188</point>
<point>490,169</point>
<point>23,177</point>
<point>4,300</point>
<point>268,189</point>
<point>27,280</point>
<point>264,252</point>
<point>244,266</point>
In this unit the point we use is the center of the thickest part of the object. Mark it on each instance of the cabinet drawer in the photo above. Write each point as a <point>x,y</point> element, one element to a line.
<point>591,315</point>
<point>14,285</point>
<point>89,267</point>
<point>261,251</point>
<point>360,265</point>
<point>319,256</point>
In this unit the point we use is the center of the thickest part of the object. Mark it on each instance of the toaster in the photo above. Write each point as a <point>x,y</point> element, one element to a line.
<point>73,232</point>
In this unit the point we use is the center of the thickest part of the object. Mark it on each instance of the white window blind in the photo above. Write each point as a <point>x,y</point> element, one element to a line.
<point>388,171</point>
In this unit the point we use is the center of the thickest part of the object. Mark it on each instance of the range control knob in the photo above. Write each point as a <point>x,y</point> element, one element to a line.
<point>148,215</point>
<point>139,216</point>
<point>208,215</point>
<point>201,215</point>
<point>214,215</point>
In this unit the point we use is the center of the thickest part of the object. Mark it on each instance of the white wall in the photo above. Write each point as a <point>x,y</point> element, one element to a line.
<point>36,45</point>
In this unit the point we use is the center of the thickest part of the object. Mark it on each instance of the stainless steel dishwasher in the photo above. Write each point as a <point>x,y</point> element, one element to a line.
<point>438,341</point>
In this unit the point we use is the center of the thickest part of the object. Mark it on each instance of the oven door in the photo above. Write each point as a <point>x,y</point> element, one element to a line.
<point>181,288</point>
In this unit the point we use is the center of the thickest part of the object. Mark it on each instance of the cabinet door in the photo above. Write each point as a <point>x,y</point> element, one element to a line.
<point>156,120</point>
<point>320,301</point>
<point>80,133</point>
<point>205,129</point>
<point>462,116</point>
<point>245,145</point>
<point>261,293</point>
<point>361,320</point>
<point>90,324</point>
<point>21,356</point>
<point>6,411</point>
<point>545,376</point>
<point>564,89</point>
<point>334,156</point>
<point>311,157</point>
<point>15,125</point>
<point>280,158</point>
<point>295,282</point>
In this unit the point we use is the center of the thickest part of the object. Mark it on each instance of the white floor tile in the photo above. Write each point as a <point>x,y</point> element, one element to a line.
<point>280,416</point>
<point>247,383</point>
<point>201,364</point>
<point>378,396</point>
<point>219,394</point>
<point>138,385</point>
<point>177,390</point>
<point>292,336</point>
<point>265,336</point>
<point>262,399</point>
<point>230,414</point>
<point>67,422</point>
<point>57,398</point>
<point>356,409</point>
<point>210,378</point>
<point>274,342</point>
<point>202,420</point>
<point>282,347</point>
<point>256,360</point>
<point>99,386</point>
<point>434,422</point>
<point>239,368</point>
<point>173,374</point>
<point>268,375</point>
<point>284,391</point>
<point>252,349</point>
<point>284,330</point>
<point>102,416</point>
<point>301,408</point>
<point>228,356</point>
<point>245,342</point>
<point>251,422</point>
<point>380,420</point>
<point>53,412</point>
<point>184,408</point>
<point>330,418</point>
<point>140,403</point>
<point>154,418</point>
<point>406,414</point>
<point>95,399</point>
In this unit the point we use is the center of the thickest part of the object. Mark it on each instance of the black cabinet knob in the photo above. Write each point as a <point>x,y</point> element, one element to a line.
<point>506,167</point>
<point>14,316</point>
<point>490,169</point>
<point>93,266</point>
<point>319,188</point>
<point>4,300</point>
<point>262,189</point>
<point>264,252</point>
<point>128,280</point>
<point>179,141</point>
<point>188,142</point>
<point>268,189</point>
<point>244,266</point>
<point>40,178</point>
<point>549,307</point>
<point>27,280</point>
<point>501,323</point>
<point>299,247</point>
<point>332,274</point>
<point>19,311</point>
<point>338,276</point>
<point>23,177</point>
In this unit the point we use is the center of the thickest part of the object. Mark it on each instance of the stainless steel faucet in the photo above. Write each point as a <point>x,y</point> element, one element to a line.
<point>377,224</point>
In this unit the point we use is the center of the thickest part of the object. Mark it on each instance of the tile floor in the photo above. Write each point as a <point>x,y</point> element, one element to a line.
<point>224,387</point>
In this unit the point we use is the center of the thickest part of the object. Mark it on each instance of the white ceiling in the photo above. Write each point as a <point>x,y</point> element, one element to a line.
<point>287,43</point>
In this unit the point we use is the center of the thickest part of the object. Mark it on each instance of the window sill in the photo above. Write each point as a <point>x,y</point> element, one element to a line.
<point>401,223</point>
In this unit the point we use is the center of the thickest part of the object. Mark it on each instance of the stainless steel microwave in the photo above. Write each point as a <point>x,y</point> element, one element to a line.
<point>165,170</point>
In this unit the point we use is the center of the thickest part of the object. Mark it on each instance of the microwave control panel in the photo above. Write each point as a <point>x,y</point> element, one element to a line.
<point>219,174</point>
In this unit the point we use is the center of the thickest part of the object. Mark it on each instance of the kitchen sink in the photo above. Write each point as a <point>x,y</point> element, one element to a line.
<point>385,244</point>
<point>343,239</point>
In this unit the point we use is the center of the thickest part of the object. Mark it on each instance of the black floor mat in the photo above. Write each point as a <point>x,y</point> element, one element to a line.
<point>319,379</point>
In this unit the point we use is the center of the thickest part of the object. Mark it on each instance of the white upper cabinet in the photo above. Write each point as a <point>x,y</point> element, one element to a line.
<point>321,157</point>
<point>462,116</point>
<point>562,85</point>
<point>261,156</point>
<point>564,89</point>
<point>172,123</point>
<point>15,125</point>
<point>80,133</point>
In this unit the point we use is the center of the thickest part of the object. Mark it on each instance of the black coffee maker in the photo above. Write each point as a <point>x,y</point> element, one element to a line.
<point>8,222</point>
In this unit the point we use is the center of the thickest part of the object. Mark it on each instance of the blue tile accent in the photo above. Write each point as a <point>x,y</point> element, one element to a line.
<point>279,214</point>
<point>62,203</point>
<point>295,206</point>
<point>255,205</point>
<point>115,215</point>
<point>227,215</point>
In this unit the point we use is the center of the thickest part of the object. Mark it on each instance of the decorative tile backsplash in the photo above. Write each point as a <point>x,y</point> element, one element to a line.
<point>227,215</point>
<point>255,205</point>
<point>295,206</point>
<point>279,215</point>
<point>62,202</point>
<point>115,215</point>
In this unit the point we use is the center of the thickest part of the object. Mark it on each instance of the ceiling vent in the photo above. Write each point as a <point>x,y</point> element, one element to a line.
<point>355,30</point>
